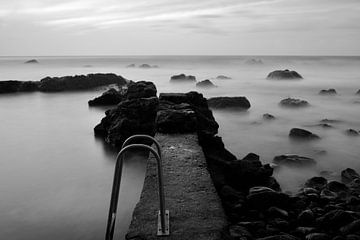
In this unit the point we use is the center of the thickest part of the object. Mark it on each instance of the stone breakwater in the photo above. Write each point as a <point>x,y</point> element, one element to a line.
<point>255,206</point>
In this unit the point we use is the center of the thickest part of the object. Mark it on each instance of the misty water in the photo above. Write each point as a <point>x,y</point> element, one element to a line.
<point>56,176</point>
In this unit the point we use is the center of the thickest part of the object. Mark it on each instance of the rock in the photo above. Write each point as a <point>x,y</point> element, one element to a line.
<point>135,116</point>
<point>298,133</point>
<point>131,65</point>
<point>279,237</point>
<point>87,66</point>
<point>336,186</point>
<point>145,65</point>
<point>110,97</point>
<point>278,212</point>
<point>318,236</point>
<point>325,125</point>
<point>268,116</point>
<point>353,227</point>
<point>222,77</point>
<point>230,194</point>
<point>358,92</point>
<point>183,78</point>
<point>264,197</point>
<point>304,230</point>
<point>79,82</point>
<point>284,74</point>
<point>294,160</point>
<point>335,219</point>
<point>349,175</point>
<point>205,84</point>
<point>32,61</point>
<point>330,91</point>
<point>239,232</point>
<point>229,102</point>
<point>254,61</point>
<point>293,102</point>
<point>306,218</point>
<point>352,132</point>
<point>325,120</point>
<point>327,194</point>
<point>319,183</point>
<point>141,89</point>
<point>352,237</point>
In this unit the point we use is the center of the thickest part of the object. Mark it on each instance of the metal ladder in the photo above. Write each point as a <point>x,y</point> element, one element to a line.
<point>163,228</point>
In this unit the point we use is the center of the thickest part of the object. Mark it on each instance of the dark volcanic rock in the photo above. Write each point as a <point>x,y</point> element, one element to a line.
<point>319,183</point>
<point>32,61</point>
<point>284,74</point>
<point>294,160</point>
<point>264,197</point>
<point>352,227</point>
<point>79,82</point>
<point>306,218</point>
<point>349,175</point>
<point>110,97</point>
<point>279,237</point>
<point>12,86</point>
<point>293,102</point>
<point>352,132</point>
<point>358,92</point>
<point>229,102</point>
<point>182,78</point>
<point>336,186</point>
<point>317,236</point>
<point>222,77</point>
<point>140,89</point>
<point>330,91</point>
<point>145,65</point>
<point>268,116</point>
<point>136,116</point>
<point>335,219</point>
<point>299,133</point>
<point>205,84</point>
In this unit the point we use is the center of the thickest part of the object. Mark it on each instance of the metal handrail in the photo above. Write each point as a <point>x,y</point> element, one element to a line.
<point>139,136</point>
<point>163,229</point>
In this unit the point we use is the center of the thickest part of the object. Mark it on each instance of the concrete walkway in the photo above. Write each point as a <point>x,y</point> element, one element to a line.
<point>195,208</point>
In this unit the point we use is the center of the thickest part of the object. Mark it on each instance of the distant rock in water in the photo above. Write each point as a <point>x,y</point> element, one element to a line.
<point>87,66</point>
<point>284,74</point>
<point>330,91</point>
<point>358,92</point>
<point>183,78</point>
<point>294,160</point>
<point>299,133</point>
<point>32,61</point>
<point>205,84</point>
<point>293,102</point>
<point>110,97</point>
<point>13,86</point>
<point>325,120</point>
<point>131,65</point>
<point>222,77</point>
<point>352,132</point>
<point>229,102</point>
<point>145,65</point>
<point>254,61</point>
<point>268,116</point>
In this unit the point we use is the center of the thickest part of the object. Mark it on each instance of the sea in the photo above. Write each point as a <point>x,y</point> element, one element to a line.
<point>56,177</point>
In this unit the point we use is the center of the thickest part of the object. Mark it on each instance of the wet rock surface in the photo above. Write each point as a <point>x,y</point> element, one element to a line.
<point>284,74</point>
<point>294,160</point>
<point>229,102</point>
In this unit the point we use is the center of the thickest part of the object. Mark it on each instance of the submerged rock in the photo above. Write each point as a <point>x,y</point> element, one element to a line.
<point>205,84</point>
<point>349,175</point>
<point>358,92</point>
<point>268,116</point>
<point>229,102</point>
<point>293,102</point>
<point>284,74</point>
<point>183,78</point>
<point>330,91</point>
<point>325,120</point>
<point>352,132</point>
<point>294,160</point>
<point>131,65</point>
<point>32,61</point>
<point>222,77</point>
<point>298,133</point>
<point>318,183</point>
<point>110,97</point>
<point>254,61</point>
<point>144,65</point>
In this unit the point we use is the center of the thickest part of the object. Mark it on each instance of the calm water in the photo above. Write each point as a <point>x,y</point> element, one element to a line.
<point>56,177</point>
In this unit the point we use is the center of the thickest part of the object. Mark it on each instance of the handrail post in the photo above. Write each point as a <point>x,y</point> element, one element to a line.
<point>163,229</point>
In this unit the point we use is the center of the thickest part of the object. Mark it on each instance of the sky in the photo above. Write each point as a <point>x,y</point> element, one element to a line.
<point>179,27</point>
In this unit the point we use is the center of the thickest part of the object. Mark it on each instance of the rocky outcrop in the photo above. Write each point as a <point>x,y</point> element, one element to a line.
<point>330,91</point>
<point>18,86</point>
<point>183,78</point>
<point>229,102</point>
<point>140,89</point>
<point>222,77</point>
<point>32,61</point>
<point>205,84</point>
<point>284,75</point>
<point>110,97</point>
<point>293,103</point>
<point>294,160</point>
<point>298,133</point>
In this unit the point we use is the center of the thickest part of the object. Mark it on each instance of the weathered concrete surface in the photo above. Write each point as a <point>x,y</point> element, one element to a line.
<point>195,208</point>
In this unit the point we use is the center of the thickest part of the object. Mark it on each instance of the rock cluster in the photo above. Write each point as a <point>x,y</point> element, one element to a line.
<point>330,91</point>
<point>205,84</point>
<point>293,102</point>
<point>229,102</point>
<point>284,74</point>
<point>183,78</point>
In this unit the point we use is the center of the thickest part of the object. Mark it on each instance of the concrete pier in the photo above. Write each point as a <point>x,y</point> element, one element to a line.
<point>195,208</point>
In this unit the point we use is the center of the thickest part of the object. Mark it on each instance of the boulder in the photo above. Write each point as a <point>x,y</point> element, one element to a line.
<point>306,218</point>
<point>335,219</point>
<point>349,175</point>
<point>318,183</point>
<point>352,132</point>
<point>205,84</point>
<point>298,133</point>
<point>352,227</point>
<point>268,116</point>
<point>110,97</point>
<point>263,197</point>
<point>223,77</point>
<point>317,236</point>
<point>293,102</point>
<point>229,102</point>
<point>284,74</point>
<point>135,116</point>
<point>32,61</point>
<point>140,89</point>
<point>336,186</point>
<point>330,91</point>
<point>183,78</point>
<point>294,160</point>
<point>279,237</point>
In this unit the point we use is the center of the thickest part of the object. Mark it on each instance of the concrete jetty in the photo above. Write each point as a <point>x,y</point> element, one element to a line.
<point>195,208</point>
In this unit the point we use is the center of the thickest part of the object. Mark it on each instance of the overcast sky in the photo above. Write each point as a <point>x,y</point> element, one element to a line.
<point>160,27</point>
